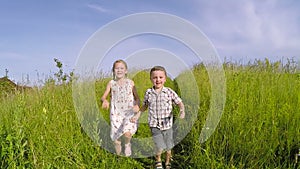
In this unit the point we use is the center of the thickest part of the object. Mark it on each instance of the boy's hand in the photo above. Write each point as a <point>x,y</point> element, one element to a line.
<point>182,114</point>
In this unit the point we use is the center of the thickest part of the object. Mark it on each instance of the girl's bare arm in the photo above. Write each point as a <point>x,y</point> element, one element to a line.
<point>138,114</point>
<point>105,103</point>
<point>136,98</point>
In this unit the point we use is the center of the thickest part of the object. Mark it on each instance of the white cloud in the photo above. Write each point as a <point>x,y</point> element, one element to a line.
<point>98,8</point>
<point>251,28</point>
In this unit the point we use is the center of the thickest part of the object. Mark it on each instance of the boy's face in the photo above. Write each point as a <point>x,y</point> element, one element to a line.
<point>158,79</point>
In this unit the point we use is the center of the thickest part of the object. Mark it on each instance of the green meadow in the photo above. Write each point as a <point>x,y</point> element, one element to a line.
<point>259,127</point>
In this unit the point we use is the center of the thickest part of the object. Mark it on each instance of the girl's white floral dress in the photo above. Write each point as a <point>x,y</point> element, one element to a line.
<point>122,102</point>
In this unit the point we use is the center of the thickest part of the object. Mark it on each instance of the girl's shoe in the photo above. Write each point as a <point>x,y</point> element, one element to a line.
<point>127,150</point>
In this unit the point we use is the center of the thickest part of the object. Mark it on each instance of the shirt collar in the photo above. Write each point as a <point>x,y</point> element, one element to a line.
<point>164,89</point>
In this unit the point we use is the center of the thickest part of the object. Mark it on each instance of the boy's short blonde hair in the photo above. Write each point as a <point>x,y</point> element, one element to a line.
<point>160,68</point>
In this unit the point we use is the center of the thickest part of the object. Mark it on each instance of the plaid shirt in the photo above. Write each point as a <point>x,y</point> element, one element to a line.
<point>160,107</point>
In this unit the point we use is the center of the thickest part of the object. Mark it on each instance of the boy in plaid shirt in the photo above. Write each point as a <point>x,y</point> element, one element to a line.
<point>159,100</point>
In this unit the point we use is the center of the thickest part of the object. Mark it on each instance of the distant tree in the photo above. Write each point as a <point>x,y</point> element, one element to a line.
<point>61,76</point>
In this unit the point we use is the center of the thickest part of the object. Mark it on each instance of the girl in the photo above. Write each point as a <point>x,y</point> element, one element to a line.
<point>124,103</point>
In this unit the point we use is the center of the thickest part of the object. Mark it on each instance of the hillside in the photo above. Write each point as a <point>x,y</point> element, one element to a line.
<point>8,86</point>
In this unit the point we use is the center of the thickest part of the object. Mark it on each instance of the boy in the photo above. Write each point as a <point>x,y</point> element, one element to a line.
<point>159,100</point>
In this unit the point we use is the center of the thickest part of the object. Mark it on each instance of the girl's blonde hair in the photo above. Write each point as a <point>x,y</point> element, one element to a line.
<point>114,65</point>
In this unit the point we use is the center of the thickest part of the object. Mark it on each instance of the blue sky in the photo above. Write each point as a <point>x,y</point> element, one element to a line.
<point>33,33</point>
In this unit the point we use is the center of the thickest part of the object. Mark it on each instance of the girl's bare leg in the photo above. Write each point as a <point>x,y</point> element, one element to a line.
<point>127,139</point>
<point>118,147</point>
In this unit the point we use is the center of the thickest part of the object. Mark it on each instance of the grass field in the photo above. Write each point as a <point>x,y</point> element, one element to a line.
<point>259,127</point>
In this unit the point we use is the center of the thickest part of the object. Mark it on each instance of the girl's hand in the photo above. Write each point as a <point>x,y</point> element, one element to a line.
<point>136,108</point>
<point>135,118</point>
<point>105,104</point>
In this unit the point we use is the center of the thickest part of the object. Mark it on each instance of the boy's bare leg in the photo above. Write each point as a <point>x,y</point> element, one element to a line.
<point>168,157</point>
<point>158,163</point>
<point>158,156</point>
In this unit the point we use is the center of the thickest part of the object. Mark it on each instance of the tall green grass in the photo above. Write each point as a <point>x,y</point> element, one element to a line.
<point>259,127</point>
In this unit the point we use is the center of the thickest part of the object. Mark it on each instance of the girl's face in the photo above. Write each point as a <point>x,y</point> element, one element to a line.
<point>120,70</point>
<point>158,79</point>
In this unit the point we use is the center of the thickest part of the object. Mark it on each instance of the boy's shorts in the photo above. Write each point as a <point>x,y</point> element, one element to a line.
<point>163,139</point>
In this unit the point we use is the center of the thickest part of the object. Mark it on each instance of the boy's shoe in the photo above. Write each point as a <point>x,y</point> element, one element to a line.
<point>127,150</point>
<point>158,165</point>
<point>168,166</point>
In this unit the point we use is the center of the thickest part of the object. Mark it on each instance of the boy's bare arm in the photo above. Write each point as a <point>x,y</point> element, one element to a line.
<point>182,111</point>
<point>143,108</point>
